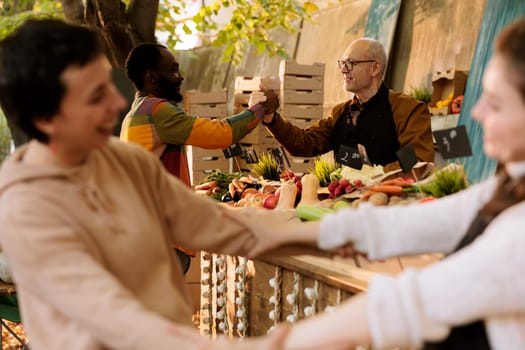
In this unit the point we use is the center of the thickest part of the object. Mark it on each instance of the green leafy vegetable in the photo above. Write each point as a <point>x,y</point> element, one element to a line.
<point>223,179</point>
<point>267,167</point>
<point>311,213</point>
<point>322,169</point>
<point>444,182</point>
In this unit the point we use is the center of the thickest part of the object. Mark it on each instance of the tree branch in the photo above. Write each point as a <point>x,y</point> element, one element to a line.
<point>73,11</point>
<point>142,16</point>
<point>112,21</point>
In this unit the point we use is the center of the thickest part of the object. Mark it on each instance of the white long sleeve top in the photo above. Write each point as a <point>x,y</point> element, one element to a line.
<point>482,281</point>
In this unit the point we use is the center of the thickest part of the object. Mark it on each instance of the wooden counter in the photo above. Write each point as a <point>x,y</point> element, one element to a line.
<point>242,297</point>
<point>300,287</point>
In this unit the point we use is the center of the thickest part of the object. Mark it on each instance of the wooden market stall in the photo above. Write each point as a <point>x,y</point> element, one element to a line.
<point>242,297</point>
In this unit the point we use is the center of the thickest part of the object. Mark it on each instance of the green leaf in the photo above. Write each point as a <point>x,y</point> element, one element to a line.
<point>186,29</point>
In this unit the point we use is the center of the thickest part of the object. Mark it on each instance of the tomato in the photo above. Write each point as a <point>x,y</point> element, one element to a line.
<point>455,107</point>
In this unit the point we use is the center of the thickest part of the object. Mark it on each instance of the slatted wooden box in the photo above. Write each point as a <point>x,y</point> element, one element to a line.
<point>203,162</point>
<point>255,83</point>
<point>307,112</point>
<point>206,104</point>
<point>212,110</point>
<point>244,86</point>
<point>302,90</point>
<point>259,135</point>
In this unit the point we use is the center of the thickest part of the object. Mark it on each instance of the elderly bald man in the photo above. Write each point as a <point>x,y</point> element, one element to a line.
<point>381,120</point>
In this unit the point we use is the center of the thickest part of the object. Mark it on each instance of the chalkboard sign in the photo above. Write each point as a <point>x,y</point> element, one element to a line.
<point>232,151</point>
<point>407,157</point>
<point>349,156</point>
<point>453,142</point>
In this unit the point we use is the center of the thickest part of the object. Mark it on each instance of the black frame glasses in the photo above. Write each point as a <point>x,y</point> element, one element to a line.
<point>348,65</point>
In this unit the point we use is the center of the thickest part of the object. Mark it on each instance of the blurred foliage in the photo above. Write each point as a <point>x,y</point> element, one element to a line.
<point>250,24</point>
<point>5,138</point>
<point>15,12</point>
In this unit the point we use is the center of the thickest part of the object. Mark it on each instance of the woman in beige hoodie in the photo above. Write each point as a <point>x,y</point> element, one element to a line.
<point>88,222</point>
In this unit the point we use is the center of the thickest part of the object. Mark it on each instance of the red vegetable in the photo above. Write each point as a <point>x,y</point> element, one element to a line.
<point>427,199</point>
<point>455,107</point>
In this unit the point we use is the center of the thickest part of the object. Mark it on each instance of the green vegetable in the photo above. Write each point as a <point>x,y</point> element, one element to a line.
<point>336,175</point>
<point>311,213</point>
<point>445,181</point>
<point>322,169</point>
<point>223,179</point>
<point>267,167</point>
<point>421,93</point>
<point>341,204</point>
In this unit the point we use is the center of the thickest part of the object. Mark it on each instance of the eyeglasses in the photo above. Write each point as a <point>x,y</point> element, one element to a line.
<point>348,65</point>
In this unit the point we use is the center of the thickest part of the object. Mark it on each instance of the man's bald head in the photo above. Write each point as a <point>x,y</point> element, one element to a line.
<point>366,49</point>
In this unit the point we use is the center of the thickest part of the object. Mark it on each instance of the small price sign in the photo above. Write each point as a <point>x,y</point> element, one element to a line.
<point>453,142</point>
<point>232,151</point>
<point>280,157</point>
<point>407,157</point>
<point>349,156</point>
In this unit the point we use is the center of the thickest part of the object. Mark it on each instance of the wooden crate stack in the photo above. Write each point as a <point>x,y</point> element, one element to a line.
<point>301,101</point>
<point>206,104</point>
<point>259,140</point>
<point>211,105</point>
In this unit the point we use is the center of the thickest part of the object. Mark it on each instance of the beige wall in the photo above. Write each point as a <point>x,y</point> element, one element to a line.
<point>326,38</point>
<point>431,35</point>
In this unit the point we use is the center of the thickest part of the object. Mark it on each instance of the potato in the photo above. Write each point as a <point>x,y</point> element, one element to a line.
<point>378,199</point>
<point>393,200</point>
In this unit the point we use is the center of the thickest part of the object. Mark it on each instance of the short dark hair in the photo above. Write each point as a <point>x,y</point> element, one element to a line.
<point>143,57</point>
<point>510,43</point>
<point>32,60</point>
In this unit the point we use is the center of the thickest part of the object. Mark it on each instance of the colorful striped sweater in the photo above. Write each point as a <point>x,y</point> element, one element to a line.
<point>163,127</point>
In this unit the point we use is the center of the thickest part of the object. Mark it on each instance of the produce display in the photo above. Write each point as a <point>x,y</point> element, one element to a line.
<point>216,185</point>
<point>366,175</point>
<point>326,189</point>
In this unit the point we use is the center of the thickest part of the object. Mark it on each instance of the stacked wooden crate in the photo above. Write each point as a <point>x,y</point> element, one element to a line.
<point>259,140</point>
<point>301,101</point>
<point>211,105</point>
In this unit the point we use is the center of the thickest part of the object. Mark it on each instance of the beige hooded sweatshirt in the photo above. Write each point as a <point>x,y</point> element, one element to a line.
<point>89,248</point>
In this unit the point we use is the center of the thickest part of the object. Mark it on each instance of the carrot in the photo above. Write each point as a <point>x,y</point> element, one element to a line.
<point>427,199</point>
<point>388,189</point>
<point>395,182</point>
<point>206,186</point>
<point>367,194</point>
<point>399,181</point>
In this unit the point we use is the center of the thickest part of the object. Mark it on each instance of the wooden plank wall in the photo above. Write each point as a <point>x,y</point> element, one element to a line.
<point>325,39</point>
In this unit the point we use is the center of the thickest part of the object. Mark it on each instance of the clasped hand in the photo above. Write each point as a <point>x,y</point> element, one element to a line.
<point>268,99</point>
